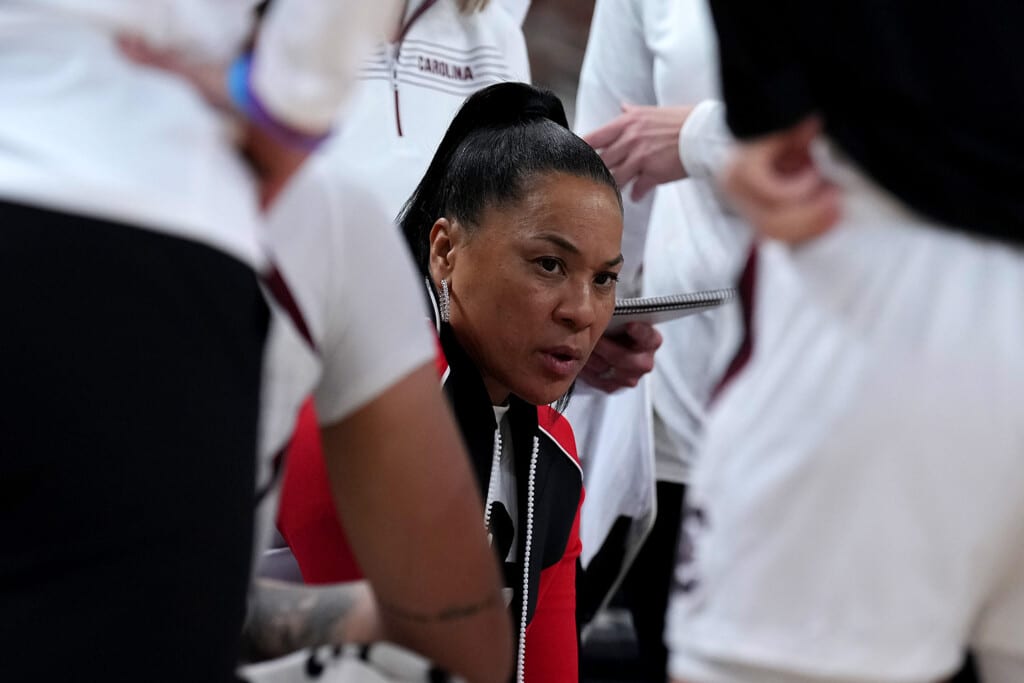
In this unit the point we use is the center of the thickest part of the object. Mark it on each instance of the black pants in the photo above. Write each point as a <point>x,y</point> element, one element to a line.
<point>645,588</point>
<point>129,382</point>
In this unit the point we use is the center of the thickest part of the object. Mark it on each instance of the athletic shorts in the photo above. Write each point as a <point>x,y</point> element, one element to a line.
<point>128,426</point>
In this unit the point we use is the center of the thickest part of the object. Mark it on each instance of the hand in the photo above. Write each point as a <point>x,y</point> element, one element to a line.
<point>642,145</point>
<point>209,79</point>
<point>776,186</point>
<point>284,617</point>
<point>620,360</point>
<point>363,624</point>
<point>273,162</point>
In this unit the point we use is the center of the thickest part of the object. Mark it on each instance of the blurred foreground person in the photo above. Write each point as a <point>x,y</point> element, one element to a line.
<point>131,248</point>
<point>381,420</point>
<point>855,512</point>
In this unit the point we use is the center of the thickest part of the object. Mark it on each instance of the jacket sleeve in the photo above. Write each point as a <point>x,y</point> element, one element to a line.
<point>618,68</point>
<point>551,652</point>
<point>307,53</point>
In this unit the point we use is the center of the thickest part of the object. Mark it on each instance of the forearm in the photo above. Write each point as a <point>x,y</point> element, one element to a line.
<point>402,483</point>
<point>285,617</point>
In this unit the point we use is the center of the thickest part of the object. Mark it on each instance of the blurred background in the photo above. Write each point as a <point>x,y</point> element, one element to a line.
<point>556,36</point>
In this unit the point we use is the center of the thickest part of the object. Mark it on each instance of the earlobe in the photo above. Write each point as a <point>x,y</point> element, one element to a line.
<point>441,244</point>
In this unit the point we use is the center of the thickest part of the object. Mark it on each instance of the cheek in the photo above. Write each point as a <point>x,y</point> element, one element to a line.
<point>603,310</point>
<point>604,315</point>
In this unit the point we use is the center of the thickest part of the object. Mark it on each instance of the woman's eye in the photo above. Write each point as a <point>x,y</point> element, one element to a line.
<point>550,265</point>
<point>606,279</point>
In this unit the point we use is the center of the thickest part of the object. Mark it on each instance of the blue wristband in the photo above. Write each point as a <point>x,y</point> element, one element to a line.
<point>246,101</point>
<point>238,84</point>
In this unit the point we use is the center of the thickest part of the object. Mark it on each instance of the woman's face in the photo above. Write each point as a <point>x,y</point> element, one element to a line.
<point>533,285</point>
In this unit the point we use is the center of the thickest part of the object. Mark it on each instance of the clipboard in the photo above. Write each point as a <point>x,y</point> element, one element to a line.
<point>658,309</point>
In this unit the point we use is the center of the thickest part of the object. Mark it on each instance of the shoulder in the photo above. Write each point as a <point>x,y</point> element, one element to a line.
<point>557,428</point>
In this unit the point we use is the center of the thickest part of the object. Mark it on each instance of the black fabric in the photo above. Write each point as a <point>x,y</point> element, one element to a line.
<point>926,97</point>
<point>131,371</point>
<point>647,584</point>
<point>968,673</point>
<point>594,583</point>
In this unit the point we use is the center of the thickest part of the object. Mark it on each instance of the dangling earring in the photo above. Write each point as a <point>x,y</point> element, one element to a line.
<point>445,303</point>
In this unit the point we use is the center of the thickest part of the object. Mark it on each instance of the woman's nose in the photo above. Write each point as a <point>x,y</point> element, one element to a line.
<point>576,309</point>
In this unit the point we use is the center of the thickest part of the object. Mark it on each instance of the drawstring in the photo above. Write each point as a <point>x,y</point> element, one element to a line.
<point>521,658</point>
<point>530,490</point>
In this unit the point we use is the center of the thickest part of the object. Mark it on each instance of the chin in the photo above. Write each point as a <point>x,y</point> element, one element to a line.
<point>542,395</point>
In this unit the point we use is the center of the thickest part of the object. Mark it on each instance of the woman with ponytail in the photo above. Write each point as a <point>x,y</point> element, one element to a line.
<point>516,229</point>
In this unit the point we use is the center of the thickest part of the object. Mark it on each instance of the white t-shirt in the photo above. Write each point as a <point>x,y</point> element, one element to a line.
<point>84,130</point>
<point>444,58</point>
<point>855,512</point>
<point>355,284</point>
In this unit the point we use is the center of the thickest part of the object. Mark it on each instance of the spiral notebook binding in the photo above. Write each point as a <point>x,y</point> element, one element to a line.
<point>650,304</point>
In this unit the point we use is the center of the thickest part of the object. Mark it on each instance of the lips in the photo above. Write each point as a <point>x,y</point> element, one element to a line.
<point>562,361</point>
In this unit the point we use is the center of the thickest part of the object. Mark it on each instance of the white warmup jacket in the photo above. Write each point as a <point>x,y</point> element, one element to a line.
<point>658,52</point>
<point>409,90</point>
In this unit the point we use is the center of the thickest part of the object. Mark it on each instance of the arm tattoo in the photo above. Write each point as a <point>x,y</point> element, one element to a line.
<point>285,617</point>
<point>451,613</point>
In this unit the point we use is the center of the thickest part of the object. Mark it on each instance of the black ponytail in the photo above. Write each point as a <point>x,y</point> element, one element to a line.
<point>502,137</point>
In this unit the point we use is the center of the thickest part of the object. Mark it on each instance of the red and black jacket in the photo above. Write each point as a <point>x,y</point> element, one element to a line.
<point>550,651</point>
<point>308,522</point>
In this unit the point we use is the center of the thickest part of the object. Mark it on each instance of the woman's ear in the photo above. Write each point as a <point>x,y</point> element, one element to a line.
<point>442,247</point>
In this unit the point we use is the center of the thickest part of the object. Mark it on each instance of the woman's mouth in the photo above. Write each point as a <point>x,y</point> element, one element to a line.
<point>562,361</point>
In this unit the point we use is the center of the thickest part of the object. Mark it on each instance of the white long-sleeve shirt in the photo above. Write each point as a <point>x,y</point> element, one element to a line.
<point>662,52</point>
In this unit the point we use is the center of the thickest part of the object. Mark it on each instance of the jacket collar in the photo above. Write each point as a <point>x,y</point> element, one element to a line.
<point>474,413</point>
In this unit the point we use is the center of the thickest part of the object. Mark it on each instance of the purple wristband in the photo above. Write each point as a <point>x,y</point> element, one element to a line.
<point>243,97</point>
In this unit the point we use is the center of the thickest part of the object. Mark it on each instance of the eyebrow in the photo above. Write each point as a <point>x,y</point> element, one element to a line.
<point>560,241</point>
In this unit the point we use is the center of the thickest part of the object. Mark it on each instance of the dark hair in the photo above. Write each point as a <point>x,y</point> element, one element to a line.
<point>502,137</point>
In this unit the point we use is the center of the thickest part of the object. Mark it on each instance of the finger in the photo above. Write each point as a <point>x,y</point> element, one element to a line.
<point>755,178</point>
<point>129,45</point>
<point>642,184</point>
<point>628,108</point>
<point>608,386</point>
<point>800,137</point>
<point>595,380</point>
<point>626,362</point>
<point>138,51</point>
<point>616,153</point>
<point>606,134</point>
<point>645,337</point>
<point>628,169</point>
<point>804,220</point>
<point>634,366</point>
<point>596,364</point>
